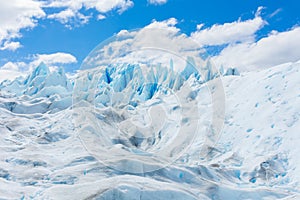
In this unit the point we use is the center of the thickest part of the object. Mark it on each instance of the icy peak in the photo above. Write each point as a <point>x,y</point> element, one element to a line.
<point>52,88</point>
<point>41,70</point>
<point>39,79</point>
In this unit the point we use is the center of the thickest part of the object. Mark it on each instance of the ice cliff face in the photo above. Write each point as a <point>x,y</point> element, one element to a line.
<point>63,139</point>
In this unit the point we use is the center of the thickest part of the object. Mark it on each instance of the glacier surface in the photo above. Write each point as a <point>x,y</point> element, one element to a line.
<point>84,139</point>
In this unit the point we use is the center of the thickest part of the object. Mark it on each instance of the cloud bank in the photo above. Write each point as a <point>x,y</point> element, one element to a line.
<point>237,39</point>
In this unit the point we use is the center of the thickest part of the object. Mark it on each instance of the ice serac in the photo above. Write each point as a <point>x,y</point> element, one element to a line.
<point>137,83</point>
<point>41,91</point>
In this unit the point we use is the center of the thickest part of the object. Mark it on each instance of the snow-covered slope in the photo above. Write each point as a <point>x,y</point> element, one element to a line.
<point>51,150</point>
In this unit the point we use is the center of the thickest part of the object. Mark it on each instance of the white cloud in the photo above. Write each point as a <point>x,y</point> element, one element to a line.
<point>69,16</point>
<point>102,6</point>
<point>9,75</point>
<point>10,70</point>
<point>63,16</point>
<point>55,58</point>
<point>228,33</point>
<point>14,16</point>
<point>169,23</point>
<point>8,45</point>
<point>243,50</point>
<point>157,43</point>
<point>108,5</point>
<point>18,66</point>
<point>199,26</point>
<point>275,49</point>
<point>101,17</point>
<point>157,2</point>
<point>72,9</point>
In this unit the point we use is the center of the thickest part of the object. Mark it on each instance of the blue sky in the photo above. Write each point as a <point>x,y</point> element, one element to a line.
<point>44,28</point>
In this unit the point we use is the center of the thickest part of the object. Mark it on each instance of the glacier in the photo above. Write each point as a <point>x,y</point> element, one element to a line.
<point>67,138</point>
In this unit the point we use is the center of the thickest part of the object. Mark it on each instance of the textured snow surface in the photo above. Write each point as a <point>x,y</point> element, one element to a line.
<point>44,153</point>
